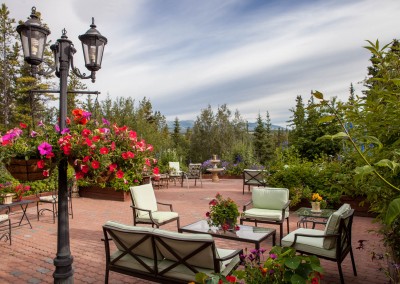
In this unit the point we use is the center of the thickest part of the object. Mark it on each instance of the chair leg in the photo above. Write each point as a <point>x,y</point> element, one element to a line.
<point>280,233</point>
<point>106,276</point>
<point>352,262</point>
<point>178,224</point>
<point>70,207</point>
<point>340,272</point>
<point>9,229</point>
<point>243,189</point>
<point>287,223</point>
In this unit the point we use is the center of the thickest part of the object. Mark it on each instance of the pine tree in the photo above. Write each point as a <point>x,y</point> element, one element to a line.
<point>259,139</point>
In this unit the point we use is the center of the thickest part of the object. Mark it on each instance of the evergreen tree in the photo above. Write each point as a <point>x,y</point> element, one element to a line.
<point>259,139</point>
<point>269,142</point>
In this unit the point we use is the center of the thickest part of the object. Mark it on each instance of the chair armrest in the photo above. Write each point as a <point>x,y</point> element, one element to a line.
<point>312,236</point>
<point>140,209</point>
<point>247,204</point>
<point>316,222</point>
<point>286,204</point>
<point>108,239</point>
<point>166,204</point>
<point>231,255</point>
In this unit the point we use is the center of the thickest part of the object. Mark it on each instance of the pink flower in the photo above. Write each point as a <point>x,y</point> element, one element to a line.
<point>45,148</point>
<point>104,150</point>
<point>95,164</point>
<point>112,167</point>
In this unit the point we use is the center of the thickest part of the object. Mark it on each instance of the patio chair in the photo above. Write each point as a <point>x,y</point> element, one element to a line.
<point>254,178</point>
<point>53,200</point>
<point>174,171</point>
<point>268,205</point>
<point>333,243</point>
<point>194,172</point>
<point>145,207</point>
<point>5,222</point>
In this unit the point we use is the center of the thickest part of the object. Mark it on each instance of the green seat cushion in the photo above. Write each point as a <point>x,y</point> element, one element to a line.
<point>143,197</point>
<point>267,214</point>
<point>309,244</point>
<point>332,225</point>
<point>158,216</point>
<point>270,198</point>
<point>184,244</point>
<point>131,235</point>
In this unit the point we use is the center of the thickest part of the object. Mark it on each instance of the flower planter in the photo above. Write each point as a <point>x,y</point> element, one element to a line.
<point>7,198</point>
<point>104,193</point>
<point>25,170</point>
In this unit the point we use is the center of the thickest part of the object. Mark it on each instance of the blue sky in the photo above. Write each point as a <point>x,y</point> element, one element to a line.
<point>255,56</point>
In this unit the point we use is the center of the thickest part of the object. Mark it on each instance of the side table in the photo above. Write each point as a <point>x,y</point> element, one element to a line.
<point>307,215</point>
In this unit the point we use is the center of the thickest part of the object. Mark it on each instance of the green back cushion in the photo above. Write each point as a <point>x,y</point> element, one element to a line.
<point>332,226</point>
<point>132,235</point>
<point>143,197</point>
<point>184,244</point>
<point>270,198</point>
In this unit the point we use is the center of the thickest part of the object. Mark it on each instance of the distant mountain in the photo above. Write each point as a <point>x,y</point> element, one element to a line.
<point>185,124</point>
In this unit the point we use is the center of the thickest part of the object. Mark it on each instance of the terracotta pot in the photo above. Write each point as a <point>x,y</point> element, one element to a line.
<point>25,170</point>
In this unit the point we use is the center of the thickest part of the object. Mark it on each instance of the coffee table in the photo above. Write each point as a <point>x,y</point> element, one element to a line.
<point>248,234</point>
<point>307,215</point>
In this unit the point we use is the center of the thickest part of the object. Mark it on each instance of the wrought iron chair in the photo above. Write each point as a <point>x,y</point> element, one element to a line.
<point>268,205</point>
<point>254,178</point>
<point>4,219</point>
<point>53,200</point>
<point>333,243</point>
<point>145,207</point>
<point>194,172</point>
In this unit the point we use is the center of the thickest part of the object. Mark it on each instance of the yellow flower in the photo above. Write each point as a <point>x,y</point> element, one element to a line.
<point>316,197</point>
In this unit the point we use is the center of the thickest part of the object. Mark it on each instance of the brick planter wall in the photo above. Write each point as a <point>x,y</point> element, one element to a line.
<point>106,193</point>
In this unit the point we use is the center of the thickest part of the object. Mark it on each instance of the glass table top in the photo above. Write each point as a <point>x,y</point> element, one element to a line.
<point>307,212</point>
<point>245,232</point>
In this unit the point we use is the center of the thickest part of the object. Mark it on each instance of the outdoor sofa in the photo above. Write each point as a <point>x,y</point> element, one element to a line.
<point>164,256</point>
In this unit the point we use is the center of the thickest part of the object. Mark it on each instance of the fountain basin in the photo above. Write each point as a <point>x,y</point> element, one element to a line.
<point>214,173</point>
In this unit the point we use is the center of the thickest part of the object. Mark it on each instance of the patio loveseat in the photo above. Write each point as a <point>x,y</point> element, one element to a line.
<point>164,256</point>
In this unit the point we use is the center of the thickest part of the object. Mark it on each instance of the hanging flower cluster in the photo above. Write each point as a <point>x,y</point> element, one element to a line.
<point>100,152</point>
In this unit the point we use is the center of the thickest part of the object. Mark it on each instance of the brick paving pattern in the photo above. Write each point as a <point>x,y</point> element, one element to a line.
<point>30,258</point>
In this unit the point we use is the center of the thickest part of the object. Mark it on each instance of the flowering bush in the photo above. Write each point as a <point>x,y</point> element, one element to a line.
<point>20,190</point>
<point>105,154</point>
<point>281,266</point>
<point>100,152</point>
<point>223,212</point>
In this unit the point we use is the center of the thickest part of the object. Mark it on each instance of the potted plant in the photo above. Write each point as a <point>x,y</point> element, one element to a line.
<point>223,213</point>
<point>20,190</point>
<point>7,192</point>
<point>28,154</point>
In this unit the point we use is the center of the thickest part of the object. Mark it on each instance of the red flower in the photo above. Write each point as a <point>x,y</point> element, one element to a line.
<point>104,150</point>
<point>85,159</point>
<point>213,202</point>
<point>23,125</point>
<point>231,279</point>
<point>132,135</point>
<point>88,142</point>
<point>124,156</point>
<point>315,280</point>
<point>50,155</point>
<point>46,173</point>
<point>96,138</point>
<point>68,121</point>
<point>113,146</point>
<point>208,214</point>
<point>120,174</point>
<point>147,162</point>
<point>156,171</point>
<point>86,132</point>
<point>67,149</point>
<point>85,169</point>
<point>41,164</point>
<point>79,175</point>
<point>95,164</point>
<point>112,167</point>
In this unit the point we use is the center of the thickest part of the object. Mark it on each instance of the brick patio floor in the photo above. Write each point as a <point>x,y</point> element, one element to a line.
<point>30,258</point>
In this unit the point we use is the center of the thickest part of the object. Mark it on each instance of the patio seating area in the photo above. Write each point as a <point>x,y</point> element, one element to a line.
<point>30,257</point>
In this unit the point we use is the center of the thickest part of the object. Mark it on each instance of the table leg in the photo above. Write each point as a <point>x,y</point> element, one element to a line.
<point>24,215</point>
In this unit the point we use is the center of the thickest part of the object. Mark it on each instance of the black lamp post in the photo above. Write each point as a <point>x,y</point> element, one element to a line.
<point>33,37</point>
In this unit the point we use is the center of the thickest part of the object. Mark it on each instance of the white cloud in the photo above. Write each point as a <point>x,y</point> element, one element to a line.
<point>256,56</point>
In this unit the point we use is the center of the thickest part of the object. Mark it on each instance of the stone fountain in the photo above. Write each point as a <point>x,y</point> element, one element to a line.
<point>215,170</point>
